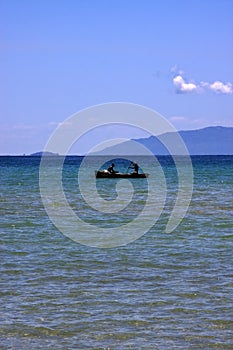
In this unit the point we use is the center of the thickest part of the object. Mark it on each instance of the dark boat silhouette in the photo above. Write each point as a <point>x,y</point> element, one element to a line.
<point>116,175</point>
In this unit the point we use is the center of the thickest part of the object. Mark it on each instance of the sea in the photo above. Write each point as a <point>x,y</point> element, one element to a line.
<point>162,290</point>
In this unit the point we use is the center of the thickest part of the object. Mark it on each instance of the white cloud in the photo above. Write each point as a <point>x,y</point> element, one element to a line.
<point>221,88</point>
<point>218,87</point>
<point>182,86</point>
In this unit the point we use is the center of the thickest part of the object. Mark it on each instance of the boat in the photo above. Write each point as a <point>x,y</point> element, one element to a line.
<point>116,175</point>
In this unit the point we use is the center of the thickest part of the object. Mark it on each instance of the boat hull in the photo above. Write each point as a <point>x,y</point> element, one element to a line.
<point>104,174</point>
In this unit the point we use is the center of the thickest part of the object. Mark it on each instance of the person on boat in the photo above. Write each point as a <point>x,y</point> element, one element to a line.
<point>111,169</point>
<point>135,167</point>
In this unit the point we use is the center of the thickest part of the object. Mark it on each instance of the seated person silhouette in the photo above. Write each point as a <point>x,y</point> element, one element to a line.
<point>111,169</point>
<point>136,167</point>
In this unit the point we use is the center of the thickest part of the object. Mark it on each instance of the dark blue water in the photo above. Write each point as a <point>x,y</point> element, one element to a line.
<point>163,291</point>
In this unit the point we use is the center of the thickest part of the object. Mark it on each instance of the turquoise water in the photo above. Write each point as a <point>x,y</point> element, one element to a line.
<point>163,291</point>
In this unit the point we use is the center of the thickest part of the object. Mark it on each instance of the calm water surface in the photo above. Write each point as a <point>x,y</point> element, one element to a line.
<point>163,291</point>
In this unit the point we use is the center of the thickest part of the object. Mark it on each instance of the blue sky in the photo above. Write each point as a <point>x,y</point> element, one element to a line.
<point>58,57</point>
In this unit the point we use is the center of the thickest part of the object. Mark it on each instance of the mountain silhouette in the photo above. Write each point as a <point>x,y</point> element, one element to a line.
<point>213,140</point>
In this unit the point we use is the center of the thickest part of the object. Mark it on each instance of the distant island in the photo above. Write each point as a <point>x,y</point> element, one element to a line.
<point>40,154</point>
<point>213,140</point>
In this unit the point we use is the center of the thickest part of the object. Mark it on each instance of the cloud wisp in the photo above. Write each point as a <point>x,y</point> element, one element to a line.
<point>183,86</point>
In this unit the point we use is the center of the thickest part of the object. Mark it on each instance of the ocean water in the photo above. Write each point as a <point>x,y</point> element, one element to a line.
<point>162,291</point>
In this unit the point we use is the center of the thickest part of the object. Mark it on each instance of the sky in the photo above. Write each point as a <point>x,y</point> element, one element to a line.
<point>59,57</point>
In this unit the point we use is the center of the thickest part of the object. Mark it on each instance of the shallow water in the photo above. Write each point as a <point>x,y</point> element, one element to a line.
<point>163,291</point>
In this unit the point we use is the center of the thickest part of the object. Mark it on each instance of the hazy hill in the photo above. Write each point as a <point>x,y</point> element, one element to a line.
<point>40,154</point>
<point>216,140</point>
<point>208,141</point>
